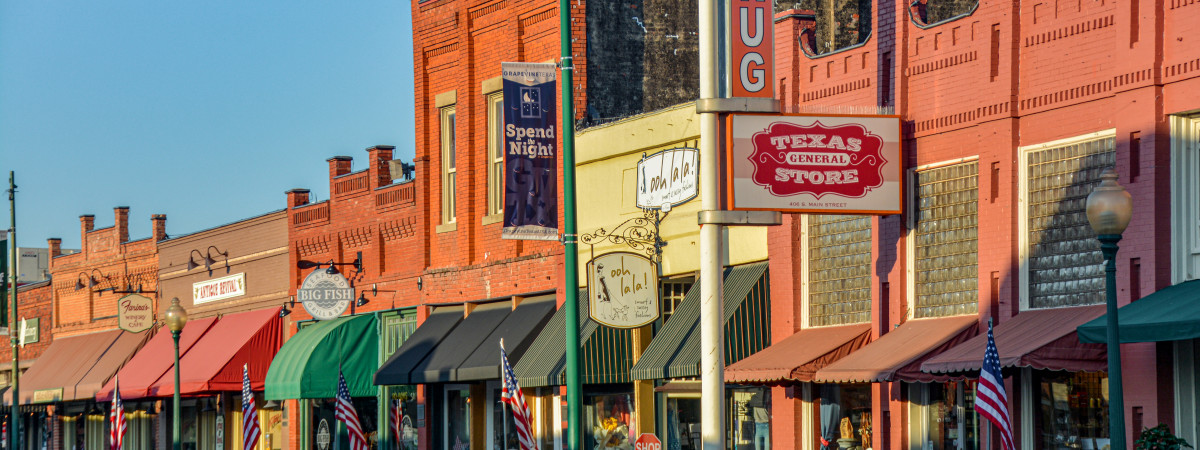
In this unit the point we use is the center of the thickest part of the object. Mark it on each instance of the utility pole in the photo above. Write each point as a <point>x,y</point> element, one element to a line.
<point>13,338</point>
<point>570,238</point>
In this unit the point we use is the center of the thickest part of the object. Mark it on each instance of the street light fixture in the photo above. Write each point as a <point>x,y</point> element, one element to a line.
<point>176,319</point>
<point>1109,209</point>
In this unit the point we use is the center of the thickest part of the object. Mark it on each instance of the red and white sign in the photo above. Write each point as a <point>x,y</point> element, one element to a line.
<point>815,164</point>
<point>135,313</point>
<point>219,289</point>
<point>647,441</point>
<point>752,64</point>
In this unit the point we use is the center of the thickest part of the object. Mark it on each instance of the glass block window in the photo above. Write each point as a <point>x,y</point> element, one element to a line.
<point>673,291</point>
<point>839,269</point>
<point>946,258</point>
<point>1065,264</point>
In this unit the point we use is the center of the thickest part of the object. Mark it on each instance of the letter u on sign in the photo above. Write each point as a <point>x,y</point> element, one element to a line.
<point>752,64</point>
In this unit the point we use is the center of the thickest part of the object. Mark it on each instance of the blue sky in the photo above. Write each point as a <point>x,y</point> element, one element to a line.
<point>204,111</point>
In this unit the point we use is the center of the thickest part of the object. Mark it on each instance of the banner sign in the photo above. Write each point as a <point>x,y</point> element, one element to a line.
<point>752,66</point>
<point>530,152</point>
<point>668,178</point>
<point>815,164</point>
<point>30,330</point>
<point>135,313</point>
<point>622,290</point>
<point>325,295</point>
<point>219,289</point>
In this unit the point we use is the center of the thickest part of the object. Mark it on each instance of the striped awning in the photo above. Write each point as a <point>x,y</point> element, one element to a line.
<point>675,351</point>
<point>605,352</point>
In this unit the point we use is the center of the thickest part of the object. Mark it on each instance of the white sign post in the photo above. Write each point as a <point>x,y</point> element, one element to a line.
<point>622,290</point>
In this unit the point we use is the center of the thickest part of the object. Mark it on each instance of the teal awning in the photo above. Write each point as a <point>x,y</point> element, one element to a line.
<point>675,350</point>
<point>604,352</point>
<point>307,364</point>
<point>1171,314</point>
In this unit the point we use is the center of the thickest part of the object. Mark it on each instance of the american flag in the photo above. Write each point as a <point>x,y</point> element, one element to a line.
<point>991,401</point>
<point>511,394</point>
<point>250,429</point>
<point>116,418</point>
<point>345,413</point>
<point>394,421</point>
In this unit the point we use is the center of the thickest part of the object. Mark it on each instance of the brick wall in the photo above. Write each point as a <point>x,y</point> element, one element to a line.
<point>33,301</point>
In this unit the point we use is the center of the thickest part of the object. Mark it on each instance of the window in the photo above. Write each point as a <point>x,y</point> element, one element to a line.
<point>396,327</point>
<point>449,172</point>
<point>945,248</point>
<point>1065,267</point>
<point>927,13</point>
<point>836,25</point>
<point>608,422</point>
<point>843,415</point>
<point>839,270</point>
<point>943,416</point>
<point>1185,198</point>
<point>1071,409</point>
<point>748,418</point>
<point>457,418</point>
<point>673,292</point>
<point>495,104</point>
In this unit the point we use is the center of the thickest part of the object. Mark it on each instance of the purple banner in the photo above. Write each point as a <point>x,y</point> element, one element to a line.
<point>530,152</point>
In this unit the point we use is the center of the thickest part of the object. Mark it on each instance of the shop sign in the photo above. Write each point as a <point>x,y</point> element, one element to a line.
<point>815,164</point>
<point>647,441</point>
<point>47,395</point>
<point>220,441</point>
<point>29,330</point>
<point>219,289</point>
<point>323,435</point>
<point>622,290</point>
<point>135,313</point>
<point>668,178</point>
<point>530,152</point>
<point>325,295</point>
<point>752,32</point>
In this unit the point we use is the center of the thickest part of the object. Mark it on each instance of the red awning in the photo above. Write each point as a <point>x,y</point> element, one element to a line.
<point>72,368</point>
<point>1040,339</point>
<point>897,355</point>
<point>154,360</point>
<point>215,363</point>
<point>799,356</point>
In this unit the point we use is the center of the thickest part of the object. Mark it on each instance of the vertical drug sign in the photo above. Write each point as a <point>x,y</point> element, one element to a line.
<point>752,65</point>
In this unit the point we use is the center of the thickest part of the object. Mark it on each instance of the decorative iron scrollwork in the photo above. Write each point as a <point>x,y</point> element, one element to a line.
<point>638,233</point>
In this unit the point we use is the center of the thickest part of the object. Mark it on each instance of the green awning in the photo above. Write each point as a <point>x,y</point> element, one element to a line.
<point>1171,314</point>
<point>306,366</point>
<point>675,351</point>
<point>605,352</point>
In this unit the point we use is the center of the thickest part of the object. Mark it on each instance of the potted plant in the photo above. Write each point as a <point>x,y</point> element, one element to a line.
<point>1159,438</point>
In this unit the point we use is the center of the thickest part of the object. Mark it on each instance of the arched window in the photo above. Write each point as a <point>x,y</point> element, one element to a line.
<point>835,25</point>
<point>926,13</point>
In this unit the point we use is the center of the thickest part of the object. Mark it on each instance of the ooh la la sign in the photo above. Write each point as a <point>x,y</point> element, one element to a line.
<point>325,295</point>
<point>135,313</point>
<point>668,178</point>
<point>815,164</point>
<point>622,290</point>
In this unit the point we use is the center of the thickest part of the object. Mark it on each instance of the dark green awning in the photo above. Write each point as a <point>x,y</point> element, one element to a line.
<point>605,355</point>
<point>518,331</point>
<point>439,366</point>
<point>675,351</point>
<point>432,331</point>
<point>306,365</point>
<point>1171,314</point>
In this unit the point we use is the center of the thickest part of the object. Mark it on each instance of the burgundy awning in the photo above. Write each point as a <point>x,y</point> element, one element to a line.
<point>1039,339</point>
<point>215,362</point>
<point>799,356</point>
<point>897,355</point>
<point>156,358</point>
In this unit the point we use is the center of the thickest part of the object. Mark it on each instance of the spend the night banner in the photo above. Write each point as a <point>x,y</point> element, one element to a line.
<point>530,152</point>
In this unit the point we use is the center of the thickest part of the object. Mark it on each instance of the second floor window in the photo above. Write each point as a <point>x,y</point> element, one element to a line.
<point>449,171</point>
<point>836,25</point>
<point>946,248</point>
<point>495,111</point>
<point>839,270</point>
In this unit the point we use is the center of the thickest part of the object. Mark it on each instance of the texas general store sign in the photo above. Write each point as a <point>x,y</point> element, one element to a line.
<point>815,164</point>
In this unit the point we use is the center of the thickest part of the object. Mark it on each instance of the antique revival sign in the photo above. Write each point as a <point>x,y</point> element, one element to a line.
<point>668,178</point>
<point>622,290</point>
<point>815,164</point>
<point>135,313</point>
<point>325,295</point>
<point>219,289</point>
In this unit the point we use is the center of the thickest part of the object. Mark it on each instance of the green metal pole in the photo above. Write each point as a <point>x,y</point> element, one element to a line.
<point>574,382</point>
<point>1116,398</point>
<point>175,443</point>
<point>13,338</point>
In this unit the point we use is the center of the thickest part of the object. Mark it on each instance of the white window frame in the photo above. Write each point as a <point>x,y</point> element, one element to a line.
<point>1187,389</point>
<point>495,157</point>
<point>1023,204</point>
<point>910,239</point>
<point>448,135</point>
<point>1185,197</point>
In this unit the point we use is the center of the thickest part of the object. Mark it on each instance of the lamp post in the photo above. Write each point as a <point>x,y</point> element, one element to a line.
<point>176,319</point>
<point>1109,209</point>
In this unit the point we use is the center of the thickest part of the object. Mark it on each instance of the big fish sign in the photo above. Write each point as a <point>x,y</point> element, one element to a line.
<point>815,164</point>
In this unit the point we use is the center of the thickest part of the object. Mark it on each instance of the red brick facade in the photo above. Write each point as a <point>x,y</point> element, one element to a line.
<point>33,301</point>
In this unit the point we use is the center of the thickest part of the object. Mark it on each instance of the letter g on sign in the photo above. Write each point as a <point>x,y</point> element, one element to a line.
<point>753,55</point>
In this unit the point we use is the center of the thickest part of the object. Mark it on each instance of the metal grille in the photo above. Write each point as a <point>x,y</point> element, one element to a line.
<point>1065,264</point>
<point>946,244</point>
<point>839,270</point>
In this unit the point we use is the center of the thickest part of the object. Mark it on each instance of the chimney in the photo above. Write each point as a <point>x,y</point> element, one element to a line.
<point>121,223</point>
<point>158,226</point>
<point>338,166</point>
<point>379,172</point>
<point>297,197</point>
<point>86,223</point>
<point>55,245</point>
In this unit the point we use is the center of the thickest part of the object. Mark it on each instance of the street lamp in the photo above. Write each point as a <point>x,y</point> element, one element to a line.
<point>1109,209</point>
<point>176,319</point>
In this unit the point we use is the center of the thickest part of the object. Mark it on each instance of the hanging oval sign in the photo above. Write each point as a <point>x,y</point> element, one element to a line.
<point>135,313</point>
<point>668,178</point>
<point>325,295</point>
<point>622,290</point>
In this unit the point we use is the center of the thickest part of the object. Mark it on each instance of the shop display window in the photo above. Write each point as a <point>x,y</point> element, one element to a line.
<point>843,416</point>
<point>749,418</point>
<point>683,423</point>
<point>325,430</point>
<point>1071,410</point>
<point>458,418</point>
<point>404,399</point>
<point>943,415</point>
<point>504,429</point>
<point>608,422</point>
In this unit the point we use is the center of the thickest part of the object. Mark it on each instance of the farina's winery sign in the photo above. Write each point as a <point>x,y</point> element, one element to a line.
<point>135,313</point>
<point>325,295</point>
